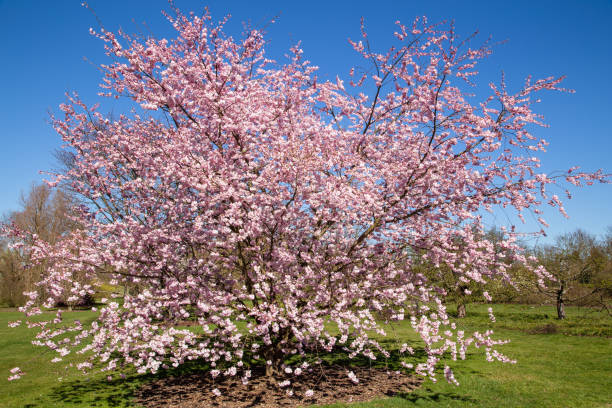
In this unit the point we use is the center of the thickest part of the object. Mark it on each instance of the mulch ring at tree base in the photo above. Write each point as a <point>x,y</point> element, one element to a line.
<point>330,384</point>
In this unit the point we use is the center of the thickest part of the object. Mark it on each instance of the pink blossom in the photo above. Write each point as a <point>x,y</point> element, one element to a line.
<point>17,374</point>
<point>448,373</point>
<point>491,315</point>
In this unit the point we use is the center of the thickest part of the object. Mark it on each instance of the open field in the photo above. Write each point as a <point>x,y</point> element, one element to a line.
<point>560,364</point>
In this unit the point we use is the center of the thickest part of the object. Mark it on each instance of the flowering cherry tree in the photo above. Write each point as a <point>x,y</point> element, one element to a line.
<point>280,212</point>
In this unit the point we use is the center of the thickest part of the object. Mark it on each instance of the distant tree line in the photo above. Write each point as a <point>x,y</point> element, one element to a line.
<point>578,264</point>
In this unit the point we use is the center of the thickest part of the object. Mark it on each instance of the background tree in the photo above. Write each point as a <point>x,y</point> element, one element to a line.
<point>12,277</point>
<point>247,193</point>
<point>45,215</point>
<point>578,266</point>
<point>603,281</point>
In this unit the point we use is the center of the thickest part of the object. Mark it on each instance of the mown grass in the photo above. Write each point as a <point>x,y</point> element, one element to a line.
<point>560,364</point>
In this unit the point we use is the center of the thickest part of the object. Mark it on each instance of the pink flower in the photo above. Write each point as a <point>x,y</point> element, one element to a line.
<point>491,315</point>
<point>448,373</point>
<point>17,373</point>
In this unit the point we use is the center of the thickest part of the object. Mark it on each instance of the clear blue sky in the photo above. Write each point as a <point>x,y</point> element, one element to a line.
<point>44,44</point>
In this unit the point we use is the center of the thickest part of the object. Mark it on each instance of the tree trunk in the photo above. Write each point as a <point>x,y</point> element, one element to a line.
<point>461,310</point>
<point>273,368</point>
<point>270,370</point>
<point>560,303</point>
<point>273,353</point>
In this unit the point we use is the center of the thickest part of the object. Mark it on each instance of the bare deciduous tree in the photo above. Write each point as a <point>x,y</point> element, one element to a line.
<point>45,213</point>
<point>576,262</point>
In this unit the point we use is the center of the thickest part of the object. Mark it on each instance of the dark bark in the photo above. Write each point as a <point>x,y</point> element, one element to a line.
<point>461,310</point>
<point>273,362</point>
<point>560,302</point>
<point>270,370</point>
<point>273,353</point>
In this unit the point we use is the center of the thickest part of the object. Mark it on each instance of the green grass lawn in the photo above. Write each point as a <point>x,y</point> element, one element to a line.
<point>560,364</point>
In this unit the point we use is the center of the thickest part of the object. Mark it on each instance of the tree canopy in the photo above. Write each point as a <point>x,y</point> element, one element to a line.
<point>279,212</point>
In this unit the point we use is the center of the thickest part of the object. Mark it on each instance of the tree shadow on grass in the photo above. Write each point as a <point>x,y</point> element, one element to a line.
<point>424,393</point>
<point>99,391</point>
<point>340,357</point>
<point>429,395</point>
<point>95,393</point>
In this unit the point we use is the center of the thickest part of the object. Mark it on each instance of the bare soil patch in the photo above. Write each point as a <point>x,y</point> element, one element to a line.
<point>330,384</point>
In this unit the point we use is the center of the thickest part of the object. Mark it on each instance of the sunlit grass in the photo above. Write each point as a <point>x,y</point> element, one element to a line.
<point>572,367</point>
